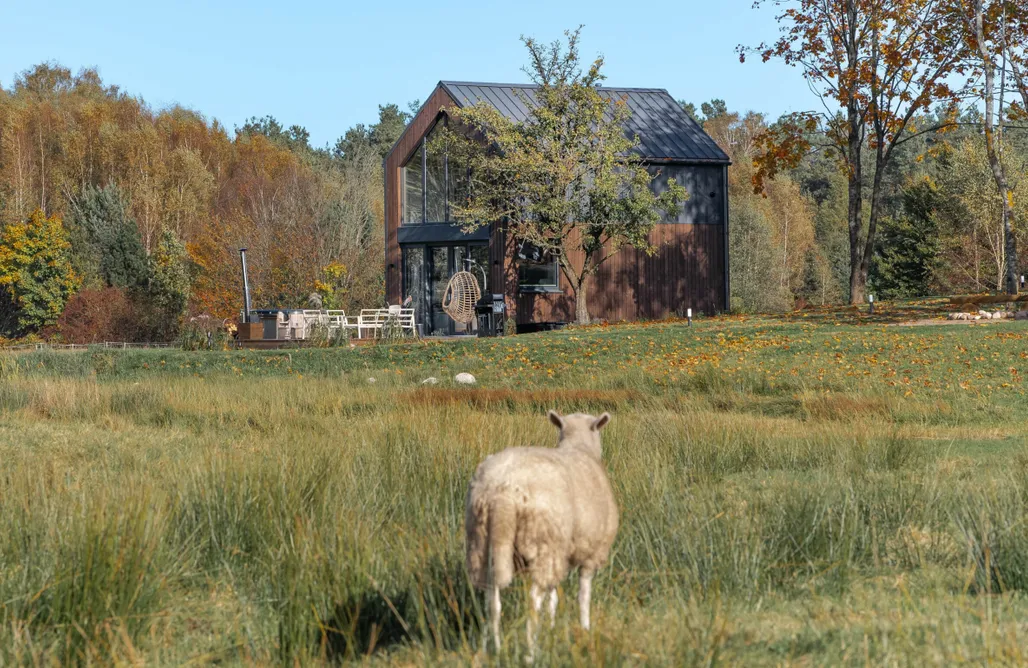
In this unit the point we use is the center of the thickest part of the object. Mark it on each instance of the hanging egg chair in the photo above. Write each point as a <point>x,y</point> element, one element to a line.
<point>462,293</point>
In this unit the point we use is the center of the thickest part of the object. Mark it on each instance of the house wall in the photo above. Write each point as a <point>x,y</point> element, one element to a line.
<point>687,271</point>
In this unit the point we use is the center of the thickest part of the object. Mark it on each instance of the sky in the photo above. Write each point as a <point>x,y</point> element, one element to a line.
<point>328,65</point>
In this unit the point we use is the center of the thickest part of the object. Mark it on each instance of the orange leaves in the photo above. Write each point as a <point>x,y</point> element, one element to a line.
<point>781,146</point>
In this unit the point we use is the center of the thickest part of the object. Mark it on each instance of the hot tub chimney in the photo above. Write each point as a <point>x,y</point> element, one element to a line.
<point>246,287</point>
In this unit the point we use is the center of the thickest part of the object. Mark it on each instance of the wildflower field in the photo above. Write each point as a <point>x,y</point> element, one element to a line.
<point>821,488</point>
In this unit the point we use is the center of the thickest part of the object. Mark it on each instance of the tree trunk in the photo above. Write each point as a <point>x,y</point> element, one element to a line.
<point>581,307</point>
<point>999,173</point>
<point>855,213</point>
<point>855,139</point>
<point>876,207</point>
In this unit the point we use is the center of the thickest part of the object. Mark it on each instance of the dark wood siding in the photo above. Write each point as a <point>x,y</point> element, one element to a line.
<point>411,137</point>
<point>687,271</point>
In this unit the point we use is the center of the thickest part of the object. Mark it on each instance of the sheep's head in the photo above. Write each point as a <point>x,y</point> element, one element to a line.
<point>580,430</point>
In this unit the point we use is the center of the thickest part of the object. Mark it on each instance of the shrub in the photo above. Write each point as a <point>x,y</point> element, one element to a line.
<point>94,316</point>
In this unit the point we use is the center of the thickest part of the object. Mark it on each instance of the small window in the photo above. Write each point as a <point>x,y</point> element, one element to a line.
<point>537,270</point>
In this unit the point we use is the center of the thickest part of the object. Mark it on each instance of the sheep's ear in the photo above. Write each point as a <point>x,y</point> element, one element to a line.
<point>601,421</point>
<point>556,419</point>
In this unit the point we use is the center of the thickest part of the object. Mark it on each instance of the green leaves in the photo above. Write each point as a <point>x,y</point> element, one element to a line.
<point>567,178</point>
<point>36,275</point>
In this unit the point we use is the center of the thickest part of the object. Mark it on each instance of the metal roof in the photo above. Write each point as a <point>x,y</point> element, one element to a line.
<point>665,131</point>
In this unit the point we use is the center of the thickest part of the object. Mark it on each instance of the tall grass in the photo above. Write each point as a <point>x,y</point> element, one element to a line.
<point>294,520</point>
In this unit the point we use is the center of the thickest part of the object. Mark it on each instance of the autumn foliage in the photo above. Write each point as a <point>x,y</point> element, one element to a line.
<point>298,209</point>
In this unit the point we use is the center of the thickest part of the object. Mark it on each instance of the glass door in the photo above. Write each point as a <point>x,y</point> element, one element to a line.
<point>439,277</point>
<point>437,264</point>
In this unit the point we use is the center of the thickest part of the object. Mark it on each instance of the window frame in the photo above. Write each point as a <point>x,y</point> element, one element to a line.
<point>540,288</point>
<point>447,187</point>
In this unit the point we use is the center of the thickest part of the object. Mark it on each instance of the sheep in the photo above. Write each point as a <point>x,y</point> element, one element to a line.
<point>541,511</point>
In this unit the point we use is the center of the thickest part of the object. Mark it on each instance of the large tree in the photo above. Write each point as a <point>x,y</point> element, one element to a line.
<point>992,28</point>
<point>36,275</point>
<point>875,65</point>
<point>105,238</point>
<point>567,178</point>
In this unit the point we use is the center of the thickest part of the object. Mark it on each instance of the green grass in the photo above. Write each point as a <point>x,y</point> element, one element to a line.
<point>803,490</point>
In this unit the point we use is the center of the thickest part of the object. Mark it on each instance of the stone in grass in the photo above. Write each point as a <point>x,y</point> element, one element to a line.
<point>431,380</point>
<point>371,380</point>
<point>464,379</point>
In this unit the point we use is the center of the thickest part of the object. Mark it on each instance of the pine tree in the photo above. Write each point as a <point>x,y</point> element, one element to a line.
<point>106,239</point>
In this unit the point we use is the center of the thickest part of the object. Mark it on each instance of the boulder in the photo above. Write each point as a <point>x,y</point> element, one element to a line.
<point>1021,315</point>
<point>431,380</point>
<point>464,379</point>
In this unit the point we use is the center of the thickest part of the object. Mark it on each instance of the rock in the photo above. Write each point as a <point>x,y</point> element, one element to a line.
<point>464,379</point>
<point>985,314</point>
<point>1021,315</point>
<point>371,380</point>
<point>431,380</point>
<point>978,317</point>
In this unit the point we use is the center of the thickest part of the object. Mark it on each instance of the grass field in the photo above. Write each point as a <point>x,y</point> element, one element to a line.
<point>815,489</point>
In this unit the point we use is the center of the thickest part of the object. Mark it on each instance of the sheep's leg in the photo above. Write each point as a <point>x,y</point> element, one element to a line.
<point>536,594</point>
<point>494,616</point>
<point>553,607</point>
<point>585,583</point>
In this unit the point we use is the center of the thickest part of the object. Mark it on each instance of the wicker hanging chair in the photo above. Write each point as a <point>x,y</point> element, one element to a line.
<point>462,293</point>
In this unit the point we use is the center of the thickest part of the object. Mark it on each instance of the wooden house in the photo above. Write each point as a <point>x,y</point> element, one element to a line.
<point>423,247</point>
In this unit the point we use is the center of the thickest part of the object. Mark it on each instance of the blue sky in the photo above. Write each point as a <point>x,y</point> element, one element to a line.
<point>327,65</point>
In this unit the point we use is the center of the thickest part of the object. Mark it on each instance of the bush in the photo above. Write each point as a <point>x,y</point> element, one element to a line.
<point>94,316</point>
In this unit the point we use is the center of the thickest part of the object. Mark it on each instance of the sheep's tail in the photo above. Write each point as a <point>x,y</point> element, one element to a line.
<point>490,525</point>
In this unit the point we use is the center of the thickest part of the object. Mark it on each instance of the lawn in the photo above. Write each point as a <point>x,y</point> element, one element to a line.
<point>818,488</point>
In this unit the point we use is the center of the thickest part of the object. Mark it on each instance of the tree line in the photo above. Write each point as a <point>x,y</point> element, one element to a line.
<point>119,221</point>
<point>940,229</point>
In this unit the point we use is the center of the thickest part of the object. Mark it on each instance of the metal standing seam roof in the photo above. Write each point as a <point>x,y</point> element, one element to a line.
<point>665,131</point>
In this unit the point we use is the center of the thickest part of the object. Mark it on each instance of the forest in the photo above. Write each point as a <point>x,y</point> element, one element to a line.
<point>121,221</point>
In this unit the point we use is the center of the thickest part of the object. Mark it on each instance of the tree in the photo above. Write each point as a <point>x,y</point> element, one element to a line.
<point>106,239</point>
<point>875,65</point>
<point>566,178</point>
<point>988,25</point>
<point>169,284</point>
<point>908,247</point>
<point>769,236</point>
<point>36,275</point>
<point>971,227</point>
<point>295,138</point>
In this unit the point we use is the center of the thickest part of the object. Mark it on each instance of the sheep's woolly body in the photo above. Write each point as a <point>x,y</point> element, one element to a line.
<point>541,510</point>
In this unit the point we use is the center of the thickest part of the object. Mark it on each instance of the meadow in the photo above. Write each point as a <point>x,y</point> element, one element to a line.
<point>814,489</point>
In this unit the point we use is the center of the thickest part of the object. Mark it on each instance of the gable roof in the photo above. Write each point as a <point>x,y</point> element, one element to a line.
<point>666,133</point>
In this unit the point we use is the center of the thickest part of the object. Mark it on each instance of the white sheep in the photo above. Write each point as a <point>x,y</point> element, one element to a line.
<point>541,511</point>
